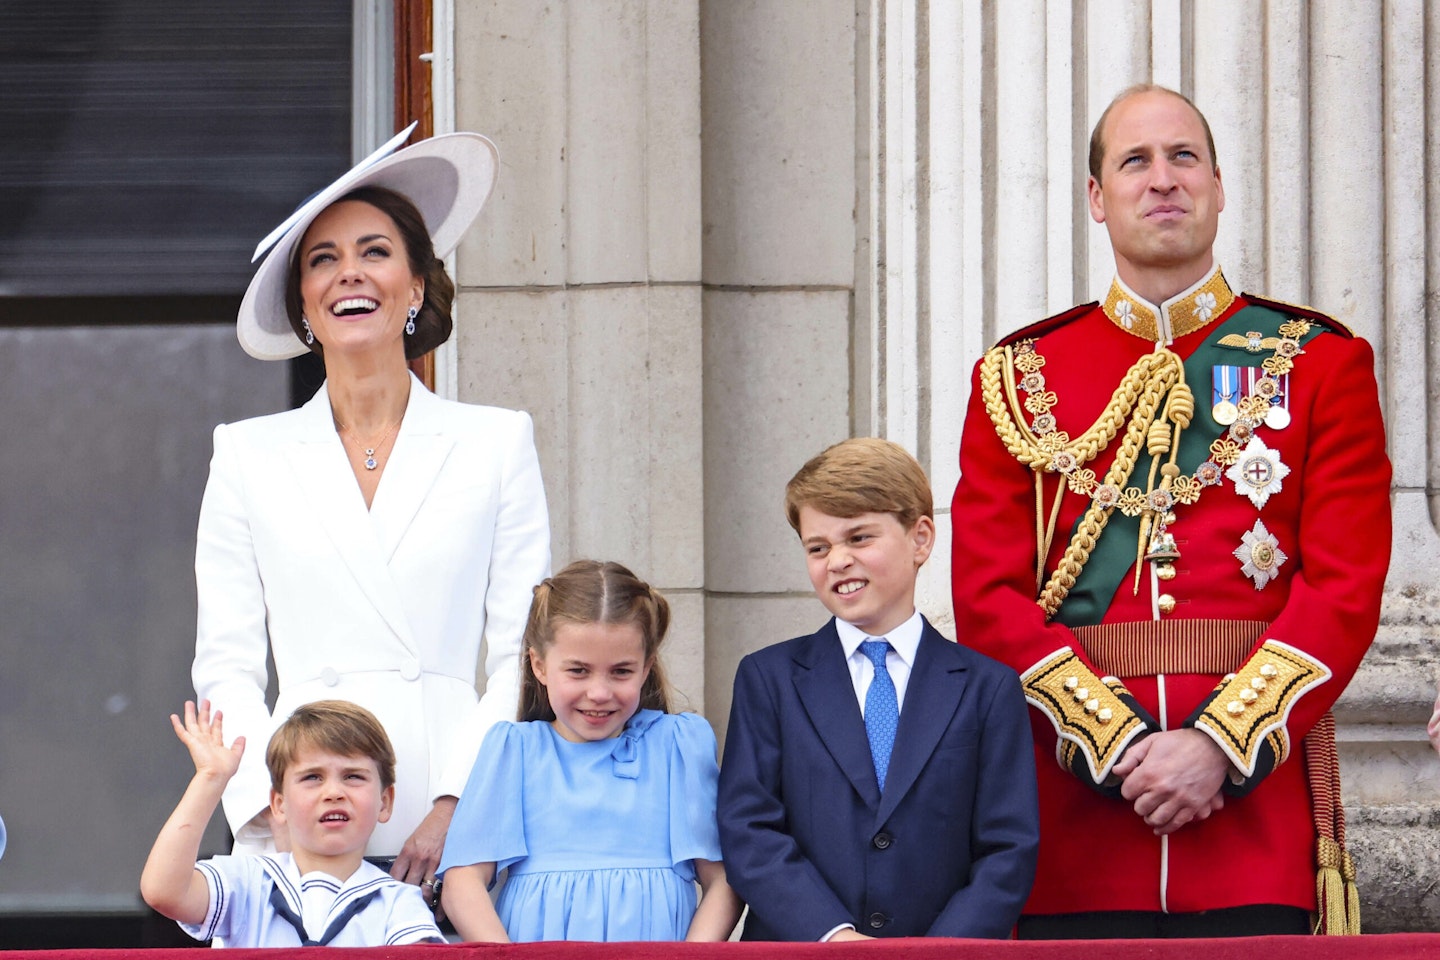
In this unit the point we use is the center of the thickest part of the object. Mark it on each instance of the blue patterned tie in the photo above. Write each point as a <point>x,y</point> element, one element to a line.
<point>882,709</point>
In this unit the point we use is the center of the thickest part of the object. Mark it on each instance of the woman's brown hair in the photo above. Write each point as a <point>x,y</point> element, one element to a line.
<point>592,591</point>
<point>433,323</point>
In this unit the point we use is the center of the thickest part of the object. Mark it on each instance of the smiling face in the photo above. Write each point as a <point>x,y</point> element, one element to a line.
<point>331,804</point>
<point>593,674</point>
<point>1159,194</point>
<point>355,279</point>
<point>863,568</point>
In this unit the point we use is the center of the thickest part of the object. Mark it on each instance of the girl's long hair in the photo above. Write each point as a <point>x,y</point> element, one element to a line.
<point>592,591</point>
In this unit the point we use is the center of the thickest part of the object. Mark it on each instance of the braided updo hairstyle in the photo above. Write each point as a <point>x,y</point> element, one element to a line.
<point>593,591</point>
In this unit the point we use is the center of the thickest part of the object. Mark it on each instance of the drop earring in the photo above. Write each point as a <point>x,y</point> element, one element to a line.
<point>309,337</point>
<point>410,316</point>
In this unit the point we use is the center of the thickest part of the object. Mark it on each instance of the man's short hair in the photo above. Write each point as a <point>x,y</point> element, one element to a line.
<point>861,475</point>
<point>334,726</point>
<point>1097,140</point>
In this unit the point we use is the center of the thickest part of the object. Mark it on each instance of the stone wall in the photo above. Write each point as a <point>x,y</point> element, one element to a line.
<point>730,232</point>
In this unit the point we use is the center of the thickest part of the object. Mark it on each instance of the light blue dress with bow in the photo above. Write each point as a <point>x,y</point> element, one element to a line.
<point>598,837</point>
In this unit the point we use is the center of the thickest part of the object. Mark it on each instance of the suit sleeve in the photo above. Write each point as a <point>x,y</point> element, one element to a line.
<point>231,640</point>
<point>1005,827</point>
<point>1308,655</point>
<point>1086,720</point>
<point>519,560</point>
<point>763,862</point>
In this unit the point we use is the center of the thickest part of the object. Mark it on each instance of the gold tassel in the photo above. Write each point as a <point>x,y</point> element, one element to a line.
<point>1330,893</point>
<point>1337,900</point>
<point>1161,438</point>
<point>1352,895</point>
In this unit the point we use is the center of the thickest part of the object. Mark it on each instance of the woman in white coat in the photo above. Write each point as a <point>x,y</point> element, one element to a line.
<point>372,539</point>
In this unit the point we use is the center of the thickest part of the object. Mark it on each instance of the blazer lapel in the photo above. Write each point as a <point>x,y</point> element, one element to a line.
<point>323,475</point>
<point>822,681</point>
<point>420,451</point>
<point>937,683</point>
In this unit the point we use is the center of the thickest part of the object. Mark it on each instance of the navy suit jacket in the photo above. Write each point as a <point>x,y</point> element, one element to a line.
<point>810,843</point>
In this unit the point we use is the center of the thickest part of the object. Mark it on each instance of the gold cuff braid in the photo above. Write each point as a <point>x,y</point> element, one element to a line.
<point>1085,710</point>
<point>1255,702</point>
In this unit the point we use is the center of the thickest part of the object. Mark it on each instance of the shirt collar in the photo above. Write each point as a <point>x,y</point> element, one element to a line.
<point>285,873</point>
<point>1183,313</point>
<point>904,639</point>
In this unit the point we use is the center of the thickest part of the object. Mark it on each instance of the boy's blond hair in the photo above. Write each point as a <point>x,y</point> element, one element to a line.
<point>861,475</point>
<point>334,726</point>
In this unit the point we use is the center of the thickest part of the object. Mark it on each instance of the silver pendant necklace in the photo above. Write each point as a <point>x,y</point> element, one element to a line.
<point>370,461</point>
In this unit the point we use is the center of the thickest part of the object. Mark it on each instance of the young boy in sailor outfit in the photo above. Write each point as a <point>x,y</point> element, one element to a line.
<point>332,772</point>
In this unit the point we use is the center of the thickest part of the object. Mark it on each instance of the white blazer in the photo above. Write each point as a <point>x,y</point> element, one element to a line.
<point>386,608</point>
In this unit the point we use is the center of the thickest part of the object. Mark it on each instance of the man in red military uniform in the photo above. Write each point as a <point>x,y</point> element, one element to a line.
<point>1173,521</point>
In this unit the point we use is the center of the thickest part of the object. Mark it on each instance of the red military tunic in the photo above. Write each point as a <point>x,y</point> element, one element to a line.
<point>1286,559</point>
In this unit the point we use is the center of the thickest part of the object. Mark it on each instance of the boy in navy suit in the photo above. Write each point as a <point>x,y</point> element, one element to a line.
<point>873,782</point>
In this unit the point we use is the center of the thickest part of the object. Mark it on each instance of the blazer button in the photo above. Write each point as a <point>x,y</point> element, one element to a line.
<point>330,677</point>
<point>882,841</point>
<point>877,920</point>
<point>410,669</point>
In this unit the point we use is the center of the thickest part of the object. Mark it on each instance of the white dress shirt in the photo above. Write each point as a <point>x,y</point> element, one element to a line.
<point>904,642</point>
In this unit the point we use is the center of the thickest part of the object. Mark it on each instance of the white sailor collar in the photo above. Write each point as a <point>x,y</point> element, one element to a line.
<point>282,870</point>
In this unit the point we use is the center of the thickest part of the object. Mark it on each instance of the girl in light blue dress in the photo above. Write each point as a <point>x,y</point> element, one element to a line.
<point>599,802</point>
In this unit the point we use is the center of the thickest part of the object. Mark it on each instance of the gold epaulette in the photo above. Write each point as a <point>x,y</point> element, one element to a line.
<point>1087,711</point>
<point>1301,310</point>
<point>1251,706</point>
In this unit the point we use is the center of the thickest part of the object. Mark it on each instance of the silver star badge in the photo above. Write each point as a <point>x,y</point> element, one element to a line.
<point>1258,472</point>
<point>1260,555</point>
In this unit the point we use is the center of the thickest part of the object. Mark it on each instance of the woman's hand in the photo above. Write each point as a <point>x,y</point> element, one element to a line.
<point>421,854</point>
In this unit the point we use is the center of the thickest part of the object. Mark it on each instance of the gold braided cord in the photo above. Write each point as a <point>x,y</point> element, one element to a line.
<point>1050,527</point>
<point>1155,383</point>
<point>1163,437</point>
<point>1087,534</point>
<point>1040,551</point>
<point>997,388</point>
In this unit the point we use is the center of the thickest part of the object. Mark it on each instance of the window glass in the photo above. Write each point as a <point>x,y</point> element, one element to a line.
<point>145,148</point>
<point>148,145</point>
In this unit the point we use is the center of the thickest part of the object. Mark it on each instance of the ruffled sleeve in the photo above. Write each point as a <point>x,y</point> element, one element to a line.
<point>489,821</point>
<point>693,778</point>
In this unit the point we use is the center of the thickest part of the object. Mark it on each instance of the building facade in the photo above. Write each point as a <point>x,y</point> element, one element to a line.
<point>728,233</point>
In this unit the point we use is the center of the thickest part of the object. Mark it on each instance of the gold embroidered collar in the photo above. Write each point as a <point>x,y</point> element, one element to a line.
<point>1181,314</point>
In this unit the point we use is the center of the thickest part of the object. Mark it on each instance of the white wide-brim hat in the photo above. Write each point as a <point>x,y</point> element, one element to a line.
<point>448,178</point>
<point>2,838</point>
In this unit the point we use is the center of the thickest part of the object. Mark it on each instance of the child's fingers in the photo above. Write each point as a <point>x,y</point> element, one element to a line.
<point>179,727</point>
<point>189,714</point>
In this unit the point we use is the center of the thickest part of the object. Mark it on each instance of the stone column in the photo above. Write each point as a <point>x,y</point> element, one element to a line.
<point>779,159</point>
<point>882,188</point>
<point>580,296</point>
<point>1320,113</point>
